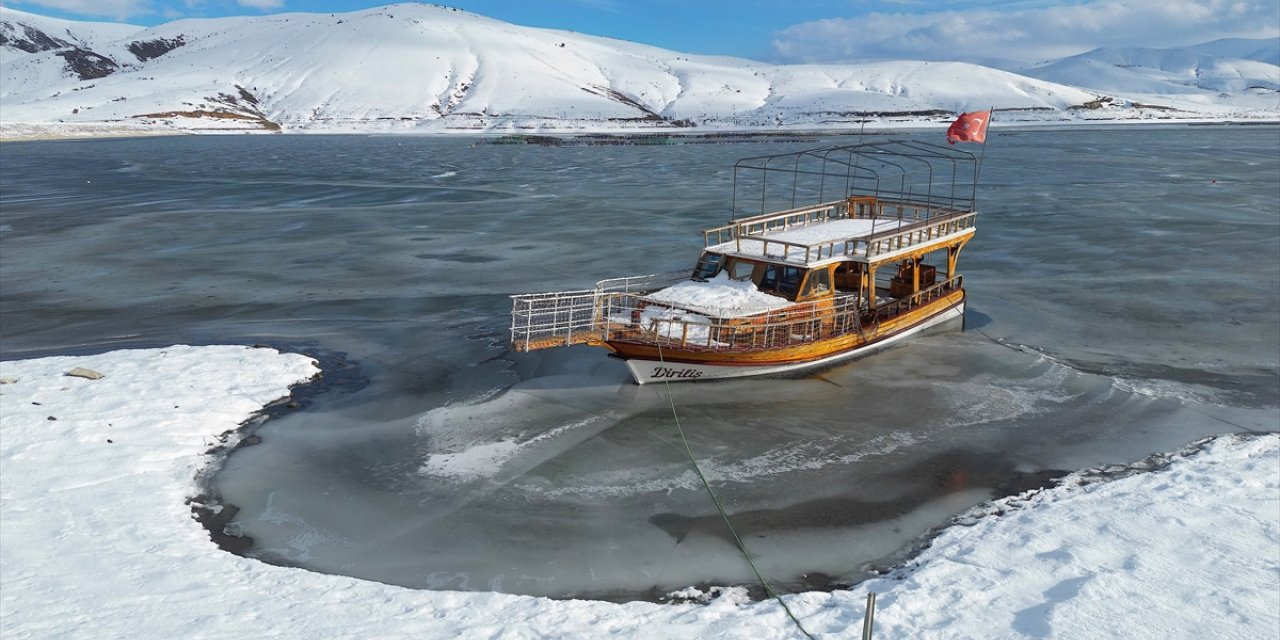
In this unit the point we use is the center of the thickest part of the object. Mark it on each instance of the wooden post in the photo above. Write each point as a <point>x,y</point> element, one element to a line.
<point>868,619</point>
<point>870,274</point>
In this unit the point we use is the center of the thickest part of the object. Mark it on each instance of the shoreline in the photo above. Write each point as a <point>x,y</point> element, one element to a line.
<point>50,131</point>
<point>336,374</point>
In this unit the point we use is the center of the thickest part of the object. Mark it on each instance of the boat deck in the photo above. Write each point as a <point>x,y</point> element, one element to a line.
<point>861,229</point>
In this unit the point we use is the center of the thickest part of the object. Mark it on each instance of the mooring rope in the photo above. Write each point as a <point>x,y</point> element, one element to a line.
<point>768,588</point>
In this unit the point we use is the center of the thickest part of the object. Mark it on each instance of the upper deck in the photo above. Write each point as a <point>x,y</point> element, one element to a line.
<point>861,229</point>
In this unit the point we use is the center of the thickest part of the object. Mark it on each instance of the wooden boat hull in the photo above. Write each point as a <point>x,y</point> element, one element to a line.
<point>649,364</point>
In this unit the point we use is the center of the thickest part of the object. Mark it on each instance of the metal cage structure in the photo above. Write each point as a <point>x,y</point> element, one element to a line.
<point>892,170</point>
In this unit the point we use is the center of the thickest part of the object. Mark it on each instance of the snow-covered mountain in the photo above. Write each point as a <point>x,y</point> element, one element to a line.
<point>32,33</point>
<point>1263,50</point>
<point>1170,71</point>
<point>433,68</point>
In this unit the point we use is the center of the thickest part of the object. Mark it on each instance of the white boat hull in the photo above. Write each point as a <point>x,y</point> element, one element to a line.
<point>645,370</point>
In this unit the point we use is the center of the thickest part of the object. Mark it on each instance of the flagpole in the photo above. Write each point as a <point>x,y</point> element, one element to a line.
<point>982,155</point>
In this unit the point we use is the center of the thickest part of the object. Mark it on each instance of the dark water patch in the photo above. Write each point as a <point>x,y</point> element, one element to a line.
<point>338,375</point>
<point>947,472</point>
<point>462,257</point>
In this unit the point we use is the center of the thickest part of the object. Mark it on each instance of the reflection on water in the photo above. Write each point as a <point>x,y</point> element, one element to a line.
<point>1124,289</point>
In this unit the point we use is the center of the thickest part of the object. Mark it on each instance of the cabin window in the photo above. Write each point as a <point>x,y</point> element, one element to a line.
<point>708,266</point>
<point>741,269</point>
<point>848,276</point>
<point>782,280</point>
<point>819,282</point>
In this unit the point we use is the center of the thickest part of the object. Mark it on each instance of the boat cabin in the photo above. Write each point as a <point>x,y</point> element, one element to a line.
<point>810,254</point>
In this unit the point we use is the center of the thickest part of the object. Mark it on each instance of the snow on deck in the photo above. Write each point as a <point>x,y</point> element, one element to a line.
<point>815,234</point>
<point>98,542</point>
<point>719,297</point>
<point>695,303</point>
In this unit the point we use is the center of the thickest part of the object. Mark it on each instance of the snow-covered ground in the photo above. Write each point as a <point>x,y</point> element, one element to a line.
<point>96,538</point>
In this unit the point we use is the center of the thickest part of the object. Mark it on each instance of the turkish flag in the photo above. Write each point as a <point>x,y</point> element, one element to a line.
<point>969,127</point>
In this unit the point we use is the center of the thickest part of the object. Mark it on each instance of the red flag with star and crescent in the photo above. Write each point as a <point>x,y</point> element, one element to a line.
<point>969,127</point>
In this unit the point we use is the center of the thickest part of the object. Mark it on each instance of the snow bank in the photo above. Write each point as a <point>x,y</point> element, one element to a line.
<point>97,540</point>
<point>1192,550</point>
<point>13,131</point>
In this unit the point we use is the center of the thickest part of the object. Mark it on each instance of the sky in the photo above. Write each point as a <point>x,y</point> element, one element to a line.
<point>791,31</point>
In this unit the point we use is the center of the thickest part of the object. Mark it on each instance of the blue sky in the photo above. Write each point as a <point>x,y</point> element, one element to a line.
<point>799,30</point>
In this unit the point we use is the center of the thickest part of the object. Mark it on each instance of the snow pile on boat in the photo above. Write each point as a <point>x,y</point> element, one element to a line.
<point>719,297</point>
<point>684,311</point>
<point>98,540</point>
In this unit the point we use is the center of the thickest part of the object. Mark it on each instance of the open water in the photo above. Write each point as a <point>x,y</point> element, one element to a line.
<point>1124,299</point>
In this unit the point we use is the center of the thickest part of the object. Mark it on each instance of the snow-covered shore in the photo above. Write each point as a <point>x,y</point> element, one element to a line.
<point>98,541</point>
<point>36,131</point>
<point>29,131</point>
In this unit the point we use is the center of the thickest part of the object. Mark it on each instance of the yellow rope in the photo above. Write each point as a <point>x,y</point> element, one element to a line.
<point>768,588</point>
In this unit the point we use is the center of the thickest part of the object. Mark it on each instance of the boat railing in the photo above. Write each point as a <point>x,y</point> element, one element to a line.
<point>641,284</point>
<point>855,207</point>
<point>635,319</point>
<point>776,221</point>
<point>924,296</point>
<point>611,312</point>
<point>562,318</point>
<point>920,232</point>
<point>916,231</point>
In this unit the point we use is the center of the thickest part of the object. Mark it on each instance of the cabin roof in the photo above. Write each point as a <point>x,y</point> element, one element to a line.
<point>800,244</point>
<point>822,241</point>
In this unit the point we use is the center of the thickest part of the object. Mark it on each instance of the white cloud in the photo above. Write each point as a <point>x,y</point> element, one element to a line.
<point>126,9</point>
<point>1029,34</point>
<point>262,5</point>
<point>114,9</point>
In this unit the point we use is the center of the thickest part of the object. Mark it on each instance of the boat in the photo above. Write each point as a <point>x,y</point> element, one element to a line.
<point>786,286</point>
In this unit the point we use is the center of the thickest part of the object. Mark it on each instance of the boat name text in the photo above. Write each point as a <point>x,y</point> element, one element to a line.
<point>663,372</point>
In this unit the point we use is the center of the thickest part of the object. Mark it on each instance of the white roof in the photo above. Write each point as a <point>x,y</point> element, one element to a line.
<point>815,235</point>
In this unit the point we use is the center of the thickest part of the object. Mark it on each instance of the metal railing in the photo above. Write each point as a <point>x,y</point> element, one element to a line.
<point>541,320</point>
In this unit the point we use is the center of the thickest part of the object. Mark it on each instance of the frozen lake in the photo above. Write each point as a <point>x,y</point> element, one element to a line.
<point>1124,299</point>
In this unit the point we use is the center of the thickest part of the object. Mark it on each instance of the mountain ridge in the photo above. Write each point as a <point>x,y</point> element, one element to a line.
<point>417,67</point>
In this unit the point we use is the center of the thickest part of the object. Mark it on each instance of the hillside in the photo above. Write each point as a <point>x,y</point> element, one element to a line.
<point>1167,71</point>
<point>416,67</point>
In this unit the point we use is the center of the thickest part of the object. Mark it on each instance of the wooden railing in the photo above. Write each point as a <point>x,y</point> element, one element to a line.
<point>637,320</point>
<point>916,223</point>
<point>924,296</point>
<point>915,234</point>
<point>609,312</point>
